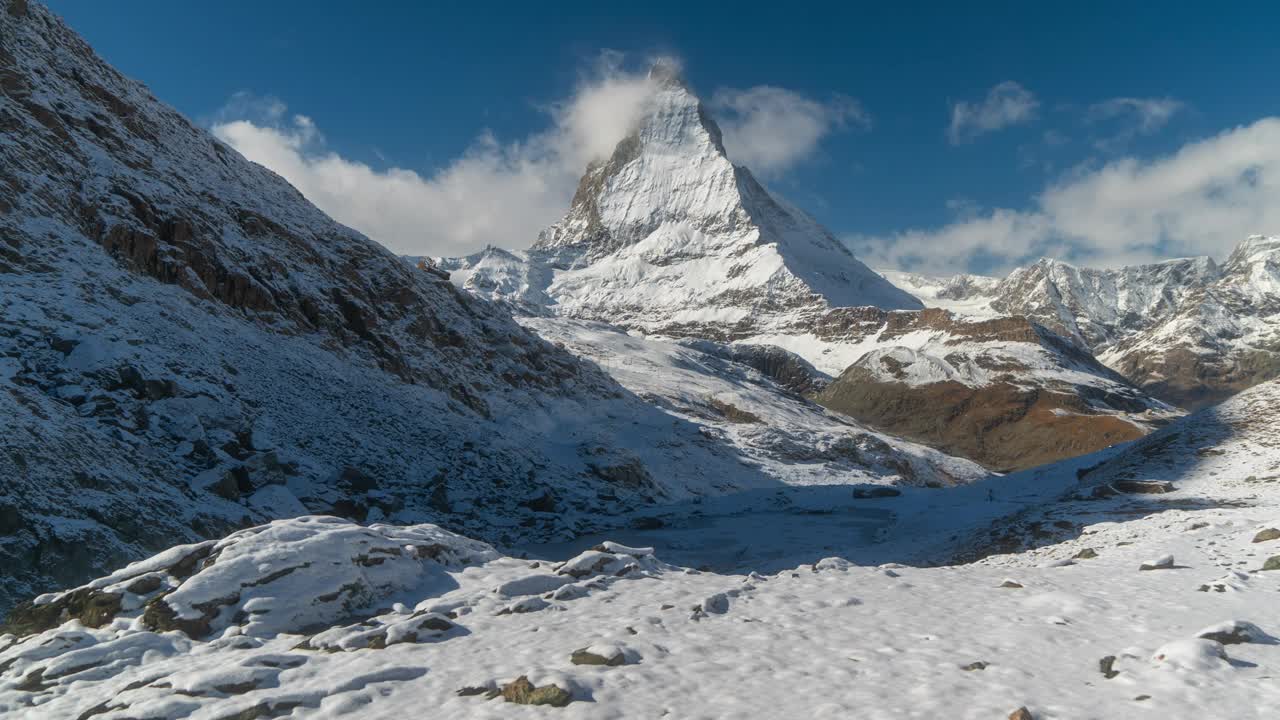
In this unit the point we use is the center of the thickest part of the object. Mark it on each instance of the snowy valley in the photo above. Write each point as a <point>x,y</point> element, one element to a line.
<point>684,456</point>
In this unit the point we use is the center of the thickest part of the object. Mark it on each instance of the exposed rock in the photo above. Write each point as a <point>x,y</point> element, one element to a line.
<point>1235,632</point>
<point>875,491</point>
<point>608,656</point>
<point>1021,714</point>
<point>976,665</point>
<point>93,608</point>
<point>1162,563</point>
<point>1105,666</point>
<point>1272,563</point>
<point>1085,554</point>
<point>523,692</point>
<point>1151,487</point>
<point>1267,535</point>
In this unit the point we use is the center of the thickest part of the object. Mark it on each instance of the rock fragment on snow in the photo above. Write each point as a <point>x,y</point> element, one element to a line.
<point>1106,665</point>
<point>1085,554</point>
<point>523,692</point>
<point>1021,714</point>
<point>1012,584</point>
<point>1272,563</point>
<point>1234,632</point>
<point>1163,562</point>
<point>609,655</point>
<point>1267,535</point>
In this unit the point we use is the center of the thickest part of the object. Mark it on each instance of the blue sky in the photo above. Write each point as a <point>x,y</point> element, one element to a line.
<point>1074,153</point>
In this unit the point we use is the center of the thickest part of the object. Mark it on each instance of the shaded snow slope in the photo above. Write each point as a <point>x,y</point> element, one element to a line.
<point>784,434</point>
<point>1069,626</point>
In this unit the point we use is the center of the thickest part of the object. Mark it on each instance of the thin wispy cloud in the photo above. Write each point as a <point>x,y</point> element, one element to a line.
<point>771,129</point>
<point>1148,114</point>
<point>1201,200</point>
<point>1005,105</point>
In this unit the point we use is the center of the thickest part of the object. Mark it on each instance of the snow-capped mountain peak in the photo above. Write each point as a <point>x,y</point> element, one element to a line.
<point>667,235</point>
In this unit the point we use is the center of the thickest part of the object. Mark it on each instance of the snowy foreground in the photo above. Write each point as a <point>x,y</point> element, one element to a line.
<point>321,617</point>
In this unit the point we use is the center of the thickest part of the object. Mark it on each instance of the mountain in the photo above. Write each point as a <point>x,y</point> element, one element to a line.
<point>669,239</point>
<point>668,236</point>
<point>1067,590</point>
<point>1006,392</point>
<point>188,346</point>
<point>1189,331</point>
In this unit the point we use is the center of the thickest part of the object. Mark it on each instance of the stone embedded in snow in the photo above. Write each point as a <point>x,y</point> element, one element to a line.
<point>1148,487</point>
<point>717,604</point>
<point>875,491</point>
<point>527,605</point>
<point>1021,714</point>
<point>532,585</point>
<point>976,665</point>
<point>1267,535</point>
<point>1012,584</point>
<point>832,563</point>
<point>1272,563</point>
<point>1195,654</point>
<point>1235,632</point>
<point>1164,562</point>
<point>619,549</point>
<point>1106,666</point>
<point>1085,554</point>
<point>607,654</point>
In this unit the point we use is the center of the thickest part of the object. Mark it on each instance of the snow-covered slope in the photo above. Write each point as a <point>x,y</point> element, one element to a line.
<point>963,294</point>
<point>1118,604</point>
<point>187,346</point>
<point>785,435</point>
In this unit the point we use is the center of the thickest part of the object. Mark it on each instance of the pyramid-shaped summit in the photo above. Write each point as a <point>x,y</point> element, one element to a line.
<point>668,235</point>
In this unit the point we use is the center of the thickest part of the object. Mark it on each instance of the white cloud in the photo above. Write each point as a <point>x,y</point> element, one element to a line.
<point>1201,200</point>
<point>1006,104</point>
<point>770,129</point>
<point>1149,114</point>
<point>499,193</point>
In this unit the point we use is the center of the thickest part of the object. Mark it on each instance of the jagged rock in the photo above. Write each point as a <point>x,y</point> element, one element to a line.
<point>1085,554</point>
<point>93,608</point>
<point>1021,714</point>
<point>976,665</point>
<point>523,692</point>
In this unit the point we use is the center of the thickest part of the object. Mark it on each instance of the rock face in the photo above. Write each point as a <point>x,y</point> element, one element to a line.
<point>188,346</point>
<point>1005,392</point>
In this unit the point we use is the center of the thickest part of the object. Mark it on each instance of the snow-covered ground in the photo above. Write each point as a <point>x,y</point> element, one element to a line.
<point>784,435</point>
<point>320,617</point>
